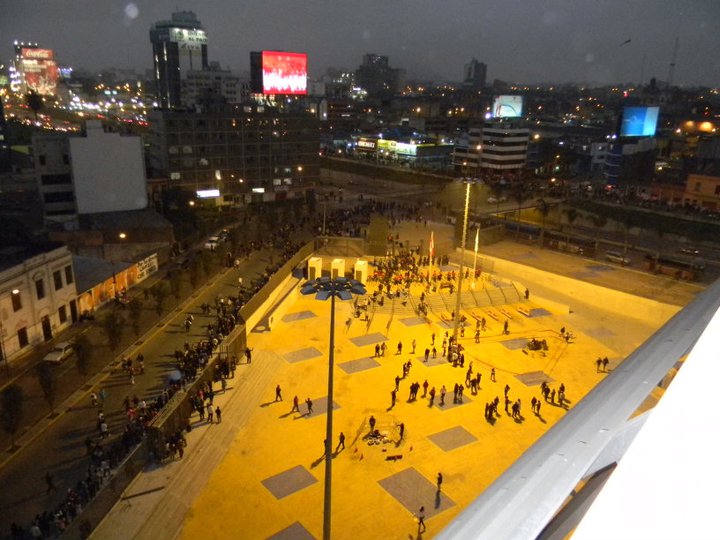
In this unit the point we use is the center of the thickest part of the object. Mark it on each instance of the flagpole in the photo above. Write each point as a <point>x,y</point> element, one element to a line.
<point>477,240</point>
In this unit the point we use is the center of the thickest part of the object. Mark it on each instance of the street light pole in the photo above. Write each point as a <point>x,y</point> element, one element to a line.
<point>456,321</point>
<point>323,288</point>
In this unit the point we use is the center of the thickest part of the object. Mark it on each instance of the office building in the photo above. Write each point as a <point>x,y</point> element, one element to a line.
<point>504,145</point>
<point>95,173</point>
<point>236,153</point>
<point>474,75</point>
<point>37,295</point>
<point>179,46</point>
<point>377,78</point>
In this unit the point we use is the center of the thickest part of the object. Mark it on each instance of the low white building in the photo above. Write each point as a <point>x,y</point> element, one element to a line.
<point>38,297</point>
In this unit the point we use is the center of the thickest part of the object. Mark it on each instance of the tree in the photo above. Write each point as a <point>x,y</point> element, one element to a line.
<point>520,195</point>
<point>175,283</point>
<point>48,382</point>
<point>195,273</point>
<point>113,325</point>
<point>135,309</point>
<point>543,208</point>
<point>571,214</point>
<point>84,352</point>
<point>160,291</point>
<point>599,221</point>
<point>11,410</point>
<point>34,101</point>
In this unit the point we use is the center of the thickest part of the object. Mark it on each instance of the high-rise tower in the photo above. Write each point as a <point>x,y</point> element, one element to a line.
<point>179,45</point>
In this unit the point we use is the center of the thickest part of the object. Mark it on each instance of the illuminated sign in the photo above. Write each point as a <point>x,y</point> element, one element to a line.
<point>639,121</point>
<point>405,149</point>
<point>207,193</point>
<point>507,107</point>
<point>364,143</point>
<point>39,71</point>
<point>188,38</point>
<point>284,73</point>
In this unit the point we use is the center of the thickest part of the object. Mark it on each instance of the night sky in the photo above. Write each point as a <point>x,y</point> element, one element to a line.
<point>526,41</point>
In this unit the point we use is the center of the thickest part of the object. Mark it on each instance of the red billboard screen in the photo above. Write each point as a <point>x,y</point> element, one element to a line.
<point>284,73</point>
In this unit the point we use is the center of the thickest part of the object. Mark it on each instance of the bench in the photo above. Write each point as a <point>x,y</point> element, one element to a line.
<point>492,314</point>
<point>524,310</point>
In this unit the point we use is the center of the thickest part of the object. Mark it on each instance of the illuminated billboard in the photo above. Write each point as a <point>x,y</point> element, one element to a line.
<point>507,107</point>
<point>639,121</point>
<point>284,73</point>
<point>40,72</point>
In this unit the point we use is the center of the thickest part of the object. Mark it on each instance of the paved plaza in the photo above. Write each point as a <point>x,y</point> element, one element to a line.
<point>260,473</point>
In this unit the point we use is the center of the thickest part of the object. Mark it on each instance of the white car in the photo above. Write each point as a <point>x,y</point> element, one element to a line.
<point>212,243</point>
<point>495,200</point>
<point>61,352</point>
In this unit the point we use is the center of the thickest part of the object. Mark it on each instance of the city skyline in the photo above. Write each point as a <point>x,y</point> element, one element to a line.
<point>549,41</point>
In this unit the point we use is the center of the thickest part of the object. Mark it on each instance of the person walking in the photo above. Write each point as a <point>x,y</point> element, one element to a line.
<point>605,364</point>
<point>598,363</point>
<point>402,430</point>
<point>296,405</point>
<point>492,374</point>
<point>218,414</point>
<point>413,346</point>
<point>439,481</point>
<point>372,423</point>
<point>399,349</point>
<point>278,393</point>
<point>421,519</point>
<point>393,397</point>
<point>309,404</point>
<point>443,391</point>
<point>210,413</point>
<point>427,354</point>
<point>397,381</point>
<point>341,442</point>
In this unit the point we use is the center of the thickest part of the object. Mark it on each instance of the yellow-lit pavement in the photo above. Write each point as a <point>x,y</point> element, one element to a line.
<point>260,473</point>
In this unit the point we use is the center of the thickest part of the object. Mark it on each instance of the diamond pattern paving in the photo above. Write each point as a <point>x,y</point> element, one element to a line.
<point>515,344</point>
<point>452,438</point>
<point>412,321</point>
<point>298,316</point>
<point>288,482</point>
<point>294,532</point>
<point>302,354</point>
<point>369,339</point>
<point>534,378</point>
<point>353,366</point>
<point>413,490</point>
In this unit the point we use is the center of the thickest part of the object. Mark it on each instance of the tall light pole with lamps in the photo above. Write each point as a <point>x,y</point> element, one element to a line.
<point>456,320</point>
<point>324,288</point>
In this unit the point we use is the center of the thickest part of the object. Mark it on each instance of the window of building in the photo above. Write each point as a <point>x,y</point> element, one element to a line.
<point>16,300</point>
<point>23,338</point>
<point>69,275</point>
<point>58,197</point>
<point>57,277</point>
<point>40,288</point>
<point>62,314</point>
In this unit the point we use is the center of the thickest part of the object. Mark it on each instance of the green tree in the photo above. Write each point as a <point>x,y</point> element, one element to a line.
<point>599,221</point>
<point>135,310</point>
<point>84,353</point>
<point>571,214</point>
<point>543,208</point>
<point>520,195</point>
<point>11,410</point>
<point>35,102</point>
<point>194,273</point>
<point>113,325</point>
<point>175,283</point>
<point>160,292</point>
<point>48,383</point>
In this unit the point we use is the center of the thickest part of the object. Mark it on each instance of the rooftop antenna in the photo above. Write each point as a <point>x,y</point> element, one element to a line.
<point>671,70</point>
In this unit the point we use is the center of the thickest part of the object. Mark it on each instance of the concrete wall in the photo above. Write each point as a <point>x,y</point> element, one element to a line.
<point>611,300</point>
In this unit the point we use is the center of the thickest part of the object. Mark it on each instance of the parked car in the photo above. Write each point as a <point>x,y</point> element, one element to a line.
<point>212,243</point>
<point>617,257</point>
<point>688,250</point>
<point>61,352</point>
